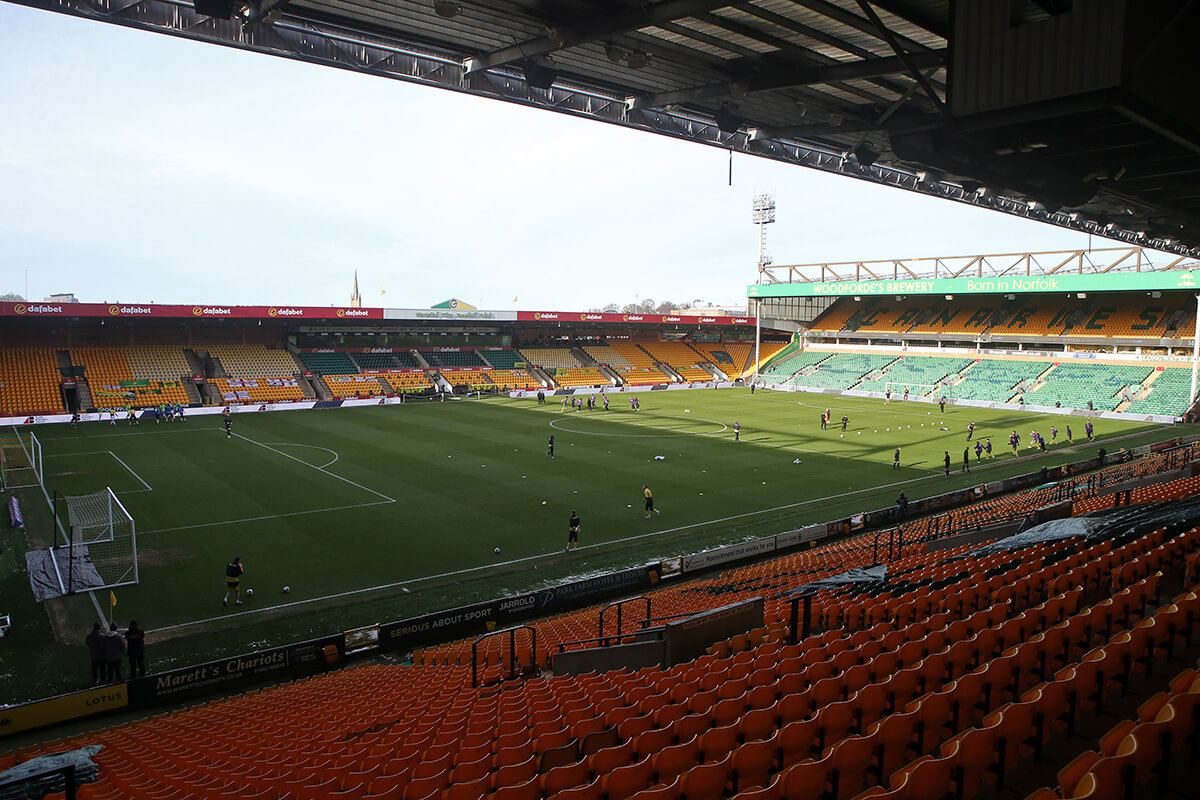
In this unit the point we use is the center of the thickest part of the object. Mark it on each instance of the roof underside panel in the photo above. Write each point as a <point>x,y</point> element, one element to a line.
<point>848,86</point>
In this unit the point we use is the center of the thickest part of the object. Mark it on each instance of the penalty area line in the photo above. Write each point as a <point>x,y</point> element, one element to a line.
<point>318,469</point>
<point>264,517</point>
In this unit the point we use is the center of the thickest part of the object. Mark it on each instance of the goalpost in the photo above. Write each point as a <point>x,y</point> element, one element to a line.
<point>20,461</point>
<point>927,392</point>
<point>100,547</point>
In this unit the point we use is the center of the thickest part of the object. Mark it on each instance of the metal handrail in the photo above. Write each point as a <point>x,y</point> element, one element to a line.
<point>512,651</point>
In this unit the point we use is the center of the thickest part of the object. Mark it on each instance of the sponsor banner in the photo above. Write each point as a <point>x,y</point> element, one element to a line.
<point>1065,282</point>
<point>492,615</point>
<point>640,319</point>
<point>274,664</point>
<point>731,553</point>
<point>178,311</point>
<point>65,707</point>
<point>465,314</point>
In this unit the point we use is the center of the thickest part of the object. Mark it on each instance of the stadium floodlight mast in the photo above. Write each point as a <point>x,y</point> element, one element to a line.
<point>762,214</point>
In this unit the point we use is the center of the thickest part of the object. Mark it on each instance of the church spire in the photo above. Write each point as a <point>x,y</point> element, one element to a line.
<point>355,298</point>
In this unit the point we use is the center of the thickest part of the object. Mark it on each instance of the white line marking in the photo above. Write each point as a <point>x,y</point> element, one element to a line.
<point>318,469</point>
<point>264,517</point>
<point>149,488</point>
<point>314,447</point>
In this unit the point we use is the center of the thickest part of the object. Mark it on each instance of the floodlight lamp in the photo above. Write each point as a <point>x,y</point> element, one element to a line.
<point>857,299</point>
<point>638,60</point>
<point>727,121</point>
<point>864,155</point>
<point>949,297</point>
<point>540,76</point>
<point>447,9</point>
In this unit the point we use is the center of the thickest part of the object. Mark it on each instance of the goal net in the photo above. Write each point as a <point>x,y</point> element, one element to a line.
<point>20,461</point>
<point>927,392</point>
<point>100,551</point>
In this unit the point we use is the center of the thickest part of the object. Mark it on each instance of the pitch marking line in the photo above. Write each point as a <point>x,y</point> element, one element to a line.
<point>149,488</point>
<point>264,518</point>
<point>137,477</point>
<point>334,453</point>
<point>318,469</point>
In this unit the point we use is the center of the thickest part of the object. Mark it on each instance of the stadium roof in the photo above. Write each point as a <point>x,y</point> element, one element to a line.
<point>1079,113</point>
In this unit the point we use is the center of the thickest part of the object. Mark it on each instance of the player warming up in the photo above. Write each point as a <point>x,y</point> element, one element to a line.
<point>550,447</point>
<point>573,531</point>
<point>229,427</point>
<point>233,578</point>
<point>649,500</point>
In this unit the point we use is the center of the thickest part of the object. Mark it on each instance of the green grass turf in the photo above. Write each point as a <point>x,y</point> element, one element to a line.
<point>351,506</point>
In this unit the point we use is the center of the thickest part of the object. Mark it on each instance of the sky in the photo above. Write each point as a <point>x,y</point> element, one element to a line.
<point>140,168</point>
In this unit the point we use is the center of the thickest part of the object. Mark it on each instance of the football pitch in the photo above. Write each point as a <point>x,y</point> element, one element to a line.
<point>379,513</point>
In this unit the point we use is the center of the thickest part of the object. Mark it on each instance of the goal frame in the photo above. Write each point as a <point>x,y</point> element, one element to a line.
<point>122,560</point>
<point>31,449</point>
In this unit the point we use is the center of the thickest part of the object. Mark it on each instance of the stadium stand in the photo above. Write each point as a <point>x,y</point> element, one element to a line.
<point>455,358</point>
<point>845,370</point>
<point>259,390</point>
<point>766,352</point>
<point>328,363</point>
<point>927,370</point>
<point>1168,394</point>
<point>408,382</point>
<point>513,379</point>
<point>29,380</point>
<point>960,668</point>
<point>505,358</point>
<point>604,354</point>
<point>995,380</point>
<point>112,382</point>
<point>254,361</point>
<point>729,357</point>
<point>354,385</point>
<point>641,370</point>
<point>1103,315</point>
<point>468,377</point>
<point>157,362</point>
<point>382,361</point>
<point>680,357</point>
<point>1075,385</point>
<point>580,376</point>
<point>551,357</point>
<point>784,368</point>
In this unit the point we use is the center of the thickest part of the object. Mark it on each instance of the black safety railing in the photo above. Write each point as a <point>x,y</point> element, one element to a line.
<point>513,670</point>
<point>620,607</point>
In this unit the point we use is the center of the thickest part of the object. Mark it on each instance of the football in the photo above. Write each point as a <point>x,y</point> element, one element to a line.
<point>287,589</point>
<point>497,550</point>
<point>249,592</point>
